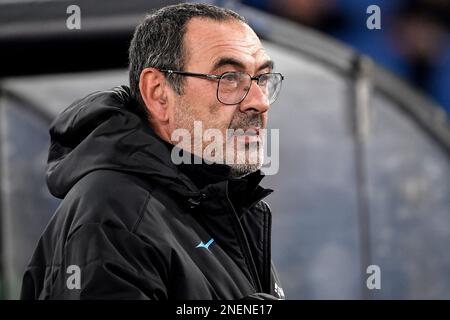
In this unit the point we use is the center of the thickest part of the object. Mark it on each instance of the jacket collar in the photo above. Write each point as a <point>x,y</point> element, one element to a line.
<point>214,178</point>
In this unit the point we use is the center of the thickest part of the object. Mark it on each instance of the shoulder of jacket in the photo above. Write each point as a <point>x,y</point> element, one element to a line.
<point>107,196</point>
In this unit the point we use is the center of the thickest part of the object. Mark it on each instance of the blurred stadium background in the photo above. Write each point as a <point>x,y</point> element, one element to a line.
<point>363,116</point>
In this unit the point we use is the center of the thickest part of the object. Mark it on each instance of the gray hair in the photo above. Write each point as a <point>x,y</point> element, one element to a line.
<point>158,41</point>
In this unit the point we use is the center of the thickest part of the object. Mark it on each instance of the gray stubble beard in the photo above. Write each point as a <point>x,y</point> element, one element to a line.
<point>237,170</point>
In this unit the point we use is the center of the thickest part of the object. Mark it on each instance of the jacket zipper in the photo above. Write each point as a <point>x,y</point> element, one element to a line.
<point>267,257</point>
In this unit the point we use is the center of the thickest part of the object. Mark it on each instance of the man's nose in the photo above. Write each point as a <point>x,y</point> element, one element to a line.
<point>256,100</point>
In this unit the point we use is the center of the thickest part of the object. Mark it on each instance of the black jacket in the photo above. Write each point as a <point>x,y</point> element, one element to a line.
<point>133,223</point>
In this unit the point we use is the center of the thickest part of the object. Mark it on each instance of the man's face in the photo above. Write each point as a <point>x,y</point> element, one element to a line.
<point>216,47</point>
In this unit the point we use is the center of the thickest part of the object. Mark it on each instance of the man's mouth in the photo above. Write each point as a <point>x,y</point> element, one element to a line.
<point>252,131</point>
<point>247,135</point>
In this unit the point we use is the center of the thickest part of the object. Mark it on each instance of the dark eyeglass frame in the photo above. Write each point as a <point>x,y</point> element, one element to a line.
<point>220,76</point>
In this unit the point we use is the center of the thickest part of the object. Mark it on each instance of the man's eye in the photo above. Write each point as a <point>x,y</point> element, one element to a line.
<point>229,78</point>
<point>263,80</point>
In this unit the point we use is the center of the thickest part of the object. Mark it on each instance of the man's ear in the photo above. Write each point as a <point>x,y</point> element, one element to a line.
<point>152,85</point>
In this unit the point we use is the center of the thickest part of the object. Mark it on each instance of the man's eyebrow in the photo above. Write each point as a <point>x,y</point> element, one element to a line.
<point>238,64</point>
<point>268,64</point>
<point>228,61</point>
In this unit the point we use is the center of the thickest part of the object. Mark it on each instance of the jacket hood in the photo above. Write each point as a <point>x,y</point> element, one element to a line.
<point>104,130</point>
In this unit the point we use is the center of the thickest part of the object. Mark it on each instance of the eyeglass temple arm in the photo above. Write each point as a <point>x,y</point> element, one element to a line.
<point>191,74</point>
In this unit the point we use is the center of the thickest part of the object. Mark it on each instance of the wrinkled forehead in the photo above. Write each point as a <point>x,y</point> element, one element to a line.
<point>208,41</point>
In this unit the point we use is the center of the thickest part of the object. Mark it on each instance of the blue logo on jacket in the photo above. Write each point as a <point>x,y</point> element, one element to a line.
<point>206,246</point>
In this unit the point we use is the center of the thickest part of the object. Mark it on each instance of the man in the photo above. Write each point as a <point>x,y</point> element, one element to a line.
<point>133,223</point>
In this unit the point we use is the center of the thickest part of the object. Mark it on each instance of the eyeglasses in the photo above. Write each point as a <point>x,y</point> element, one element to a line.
<point>233,87</point>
